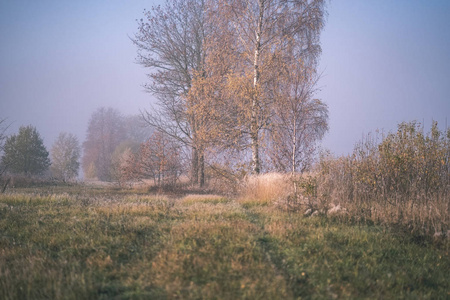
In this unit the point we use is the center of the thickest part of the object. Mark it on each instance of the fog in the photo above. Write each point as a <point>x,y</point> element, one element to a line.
<point>61,60</point>
<point>383,62</point>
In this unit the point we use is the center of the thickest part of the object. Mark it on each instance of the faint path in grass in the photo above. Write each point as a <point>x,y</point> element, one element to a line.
<point>297,283</point>
<point>212,251</point>
<point>323,257</point>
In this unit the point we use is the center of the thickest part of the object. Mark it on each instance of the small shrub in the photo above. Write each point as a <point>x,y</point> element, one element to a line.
<point>402,180</point>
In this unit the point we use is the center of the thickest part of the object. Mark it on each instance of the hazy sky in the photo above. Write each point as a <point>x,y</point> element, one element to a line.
<point>383,62</point>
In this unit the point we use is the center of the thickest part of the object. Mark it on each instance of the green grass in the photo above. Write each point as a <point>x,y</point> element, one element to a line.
<point>91,243</point>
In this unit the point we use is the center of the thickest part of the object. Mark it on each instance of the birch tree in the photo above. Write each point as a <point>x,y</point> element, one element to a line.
<point>215,68</point>
<point>299,120</point>
<point>266,32</point>
<point>170,44</point>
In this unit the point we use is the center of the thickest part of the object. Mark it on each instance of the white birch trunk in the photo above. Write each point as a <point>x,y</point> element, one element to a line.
<point>254,128</point>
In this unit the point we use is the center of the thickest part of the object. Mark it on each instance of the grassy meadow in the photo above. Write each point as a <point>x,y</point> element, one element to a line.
<point>86,242</point>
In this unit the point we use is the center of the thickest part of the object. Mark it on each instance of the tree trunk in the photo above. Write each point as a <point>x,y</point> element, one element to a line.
<point>294,150</point>
<point>294,147</point>
<point>255,151</point>
<point>6,185</point>
<point>254,129</point>
<point>201,169</point>
<point>194,167</point>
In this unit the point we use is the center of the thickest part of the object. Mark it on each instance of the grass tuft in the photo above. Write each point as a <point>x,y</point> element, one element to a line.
<point>264,189</point>
<point>213,199</point>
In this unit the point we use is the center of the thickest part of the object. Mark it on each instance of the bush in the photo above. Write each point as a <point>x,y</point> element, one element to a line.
<point>24,181</point>
<point>403,180</point>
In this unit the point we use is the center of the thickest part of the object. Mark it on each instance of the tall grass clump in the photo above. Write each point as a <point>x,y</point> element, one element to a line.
<point>402,180</point>
<point>264,189</point>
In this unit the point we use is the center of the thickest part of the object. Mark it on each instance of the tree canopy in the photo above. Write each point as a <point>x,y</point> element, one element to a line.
<point>65,155</point>
<point>105,132</point>
<point>170,43</point>
<point>25,152</point>
<point>236,75</point>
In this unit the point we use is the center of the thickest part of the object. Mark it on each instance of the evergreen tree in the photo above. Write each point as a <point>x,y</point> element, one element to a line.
<point>25,152</point>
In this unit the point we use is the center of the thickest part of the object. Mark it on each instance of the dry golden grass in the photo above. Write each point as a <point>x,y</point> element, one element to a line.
<point>214,199</point>
<point>264,189</point>
<point>218,258</point>
<point>107,244</point>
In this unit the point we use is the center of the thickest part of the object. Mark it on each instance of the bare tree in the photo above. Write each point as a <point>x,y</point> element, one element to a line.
<point>105,132</point>
<point>65,155</point>
<point>170,43</point>
<point>136,129</point>
<point>298,121</point>
<point>158,159</point>
<point>125,166</point>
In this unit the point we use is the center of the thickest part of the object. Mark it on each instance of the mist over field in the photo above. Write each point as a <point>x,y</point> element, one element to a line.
<point>224,149</point>
<point>382,63</point>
